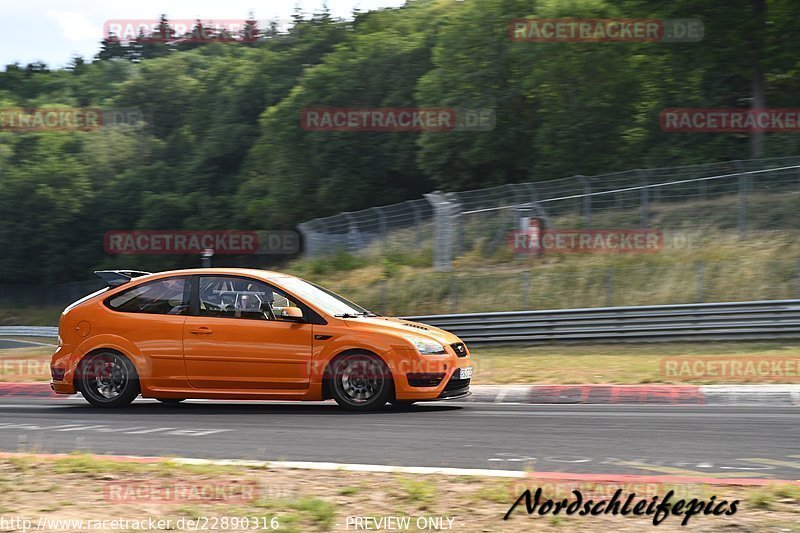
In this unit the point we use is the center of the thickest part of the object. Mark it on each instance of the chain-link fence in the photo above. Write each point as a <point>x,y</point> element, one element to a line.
<point>404,223</point>
<point>569,288</point>
<point>746,194</point>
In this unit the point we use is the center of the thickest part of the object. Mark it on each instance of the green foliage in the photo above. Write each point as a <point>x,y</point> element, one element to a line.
<point>339,262</point>
<point>223,147</point>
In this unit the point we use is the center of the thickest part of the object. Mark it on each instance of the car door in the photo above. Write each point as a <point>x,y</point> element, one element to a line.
<point>237,341</point>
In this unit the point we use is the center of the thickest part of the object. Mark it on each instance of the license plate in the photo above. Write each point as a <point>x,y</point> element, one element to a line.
<point>466,373</point>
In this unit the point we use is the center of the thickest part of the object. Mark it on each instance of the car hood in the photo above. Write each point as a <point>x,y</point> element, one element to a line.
<point>402,327</point>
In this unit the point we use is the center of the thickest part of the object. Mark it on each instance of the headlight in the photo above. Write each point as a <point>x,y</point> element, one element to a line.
<point>427,347</point>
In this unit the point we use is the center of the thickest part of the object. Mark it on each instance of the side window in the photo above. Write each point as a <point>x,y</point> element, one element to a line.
<point>232,297</point>
<point>163,297</point>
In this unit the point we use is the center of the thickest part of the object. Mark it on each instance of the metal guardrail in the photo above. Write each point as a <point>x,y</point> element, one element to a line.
<point>28,331</point>
<point>759,320</point>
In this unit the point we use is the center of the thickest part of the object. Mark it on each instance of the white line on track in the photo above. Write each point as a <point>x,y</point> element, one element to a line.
<point>350,467</point>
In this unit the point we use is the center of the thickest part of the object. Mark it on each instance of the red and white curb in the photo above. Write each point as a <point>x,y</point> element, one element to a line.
<point>773,395</point>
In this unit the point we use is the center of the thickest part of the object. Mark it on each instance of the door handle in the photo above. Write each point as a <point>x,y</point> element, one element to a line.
<point>202,330</point>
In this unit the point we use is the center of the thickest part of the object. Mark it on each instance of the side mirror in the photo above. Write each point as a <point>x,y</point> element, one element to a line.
<point>292,314</point>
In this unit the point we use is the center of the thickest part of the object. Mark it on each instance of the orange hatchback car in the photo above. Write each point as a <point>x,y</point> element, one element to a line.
<point>241,334</point>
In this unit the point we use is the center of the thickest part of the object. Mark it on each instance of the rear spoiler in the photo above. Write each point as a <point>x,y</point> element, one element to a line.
<point>115,278</point>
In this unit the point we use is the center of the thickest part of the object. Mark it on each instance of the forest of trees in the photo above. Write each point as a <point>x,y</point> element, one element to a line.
<point>224,149</point>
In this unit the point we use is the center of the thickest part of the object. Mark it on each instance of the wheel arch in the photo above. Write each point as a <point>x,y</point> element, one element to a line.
<point>114,343</point>
<point>327,387</point>
<point>101,349</point>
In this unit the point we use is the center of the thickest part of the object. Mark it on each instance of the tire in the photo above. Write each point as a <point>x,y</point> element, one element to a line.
<point>108,379</point>
<point>171,401</point>
<point>360,382</point>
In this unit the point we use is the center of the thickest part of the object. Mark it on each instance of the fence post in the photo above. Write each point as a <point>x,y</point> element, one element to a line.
<point>798,178</point>
<point>417,216</point>
<point>381,225</point>
<point>534,196</point>
<point>453,293</point>
<point>701,271</point>
<point>587,201</point>
<point>610,287</point>
<point>74,291</point>
<point>526,289</point>
<point>308,244</point>
<point>444,213</point>
<point>742,222</point>
<point>353,236</point>
<point>644,199</point>
<point>384,309</point>
<point>798,278</point>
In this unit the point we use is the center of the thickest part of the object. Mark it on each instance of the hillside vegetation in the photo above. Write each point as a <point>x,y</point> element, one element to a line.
<point>704,259</point>
<point>221,145</point>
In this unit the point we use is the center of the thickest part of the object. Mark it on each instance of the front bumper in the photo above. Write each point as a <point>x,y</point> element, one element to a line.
<point>422,377</point>
<point>455,388</point>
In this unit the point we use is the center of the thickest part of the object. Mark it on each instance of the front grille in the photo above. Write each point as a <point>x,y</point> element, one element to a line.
<point>455,384</point>
<point>425,379</point>
<point>460,348</point>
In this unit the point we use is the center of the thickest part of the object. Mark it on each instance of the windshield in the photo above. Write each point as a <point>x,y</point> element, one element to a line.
<point>326,300</point>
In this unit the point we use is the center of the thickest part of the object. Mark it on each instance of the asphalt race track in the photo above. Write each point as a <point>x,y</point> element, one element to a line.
<point>715,441</point>
<point>11,343</point>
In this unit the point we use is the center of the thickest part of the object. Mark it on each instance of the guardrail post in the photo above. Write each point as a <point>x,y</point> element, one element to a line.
<point>701,271</point>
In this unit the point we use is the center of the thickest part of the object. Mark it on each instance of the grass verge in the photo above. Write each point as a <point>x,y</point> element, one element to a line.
<point>93,489</point>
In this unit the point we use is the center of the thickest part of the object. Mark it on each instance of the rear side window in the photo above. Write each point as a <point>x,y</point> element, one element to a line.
<point>163,297</point>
